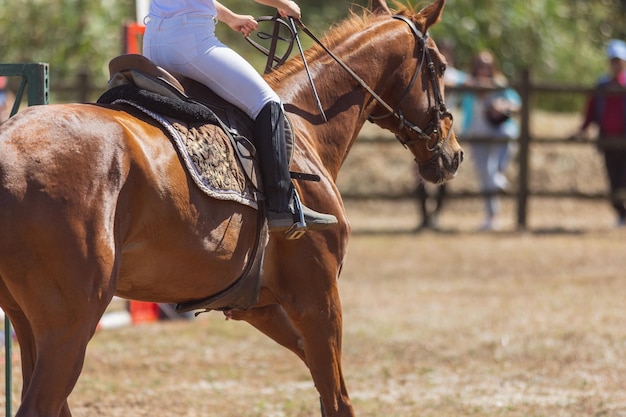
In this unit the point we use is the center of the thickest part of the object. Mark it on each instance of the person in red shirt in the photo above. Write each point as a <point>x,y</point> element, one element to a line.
<point>6,100</point>
<point>608,112</point>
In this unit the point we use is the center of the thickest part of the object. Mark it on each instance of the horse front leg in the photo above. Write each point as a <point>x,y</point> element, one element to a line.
<point>318,319</point>
<point>313,337</point>
<point>301,310</point>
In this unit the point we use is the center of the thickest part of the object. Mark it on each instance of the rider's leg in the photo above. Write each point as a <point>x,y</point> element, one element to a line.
<point>269,136</point>
<point>230,76</point>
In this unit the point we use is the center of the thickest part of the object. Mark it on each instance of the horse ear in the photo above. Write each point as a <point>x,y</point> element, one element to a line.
<point>380,7</point>
<point>432,13</point>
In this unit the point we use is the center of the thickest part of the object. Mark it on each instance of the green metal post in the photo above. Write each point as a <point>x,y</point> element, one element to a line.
<point>36,78</point>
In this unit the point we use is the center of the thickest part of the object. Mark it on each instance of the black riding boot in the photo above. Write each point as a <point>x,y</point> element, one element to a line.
<point>269,139</point>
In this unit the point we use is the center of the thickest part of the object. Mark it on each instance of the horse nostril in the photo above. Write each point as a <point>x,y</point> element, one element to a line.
<point>456,161</point>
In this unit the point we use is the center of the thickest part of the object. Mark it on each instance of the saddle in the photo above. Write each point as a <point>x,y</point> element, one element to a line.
<point>142,72</point>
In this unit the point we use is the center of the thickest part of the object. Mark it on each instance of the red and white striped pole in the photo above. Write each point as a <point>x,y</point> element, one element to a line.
<point>134,31</point>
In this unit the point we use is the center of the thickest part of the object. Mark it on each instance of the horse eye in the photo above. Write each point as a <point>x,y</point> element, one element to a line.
<point>442,69</point>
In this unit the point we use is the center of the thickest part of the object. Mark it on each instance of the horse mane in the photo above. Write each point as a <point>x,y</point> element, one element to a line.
<point>353,23</point>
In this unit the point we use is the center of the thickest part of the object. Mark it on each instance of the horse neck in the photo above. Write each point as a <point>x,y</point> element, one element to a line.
<point>345,103</point>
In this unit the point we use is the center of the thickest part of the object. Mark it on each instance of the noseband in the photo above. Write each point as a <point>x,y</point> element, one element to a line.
<point>439,109</point>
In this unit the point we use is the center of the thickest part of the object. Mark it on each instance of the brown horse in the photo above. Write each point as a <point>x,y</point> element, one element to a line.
<point>95,203</point>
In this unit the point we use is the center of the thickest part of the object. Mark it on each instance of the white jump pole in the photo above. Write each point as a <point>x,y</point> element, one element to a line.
<point>141,8</point>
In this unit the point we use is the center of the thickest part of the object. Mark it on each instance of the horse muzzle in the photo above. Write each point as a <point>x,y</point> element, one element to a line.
<point>442,166</point>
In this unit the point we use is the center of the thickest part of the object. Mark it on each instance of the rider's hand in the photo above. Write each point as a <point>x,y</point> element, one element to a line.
<point>243,23</point>
<point>290,9</point>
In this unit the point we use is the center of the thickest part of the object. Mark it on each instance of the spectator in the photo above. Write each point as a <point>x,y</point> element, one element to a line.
<point>6,100</point>
<point>452,77</point>
<point>608,113</point>
<point>487,115</point>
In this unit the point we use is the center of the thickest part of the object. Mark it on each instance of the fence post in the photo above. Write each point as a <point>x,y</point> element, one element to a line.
<point>524,151</point>
<point>38,83</point>
<point>83,83</point>
<point>35,77</point>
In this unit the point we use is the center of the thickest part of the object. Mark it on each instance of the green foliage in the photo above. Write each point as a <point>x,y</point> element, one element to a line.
<point>70,35</point>
<point>558,40</point>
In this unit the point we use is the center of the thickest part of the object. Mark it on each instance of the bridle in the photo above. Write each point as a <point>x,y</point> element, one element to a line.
<point>439,109</point>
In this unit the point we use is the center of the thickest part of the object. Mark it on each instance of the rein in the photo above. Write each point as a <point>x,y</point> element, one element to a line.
<point>440,110</point>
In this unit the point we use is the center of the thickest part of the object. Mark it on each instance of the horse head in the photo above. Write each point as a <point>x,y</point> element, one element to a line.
<point>416,112</point>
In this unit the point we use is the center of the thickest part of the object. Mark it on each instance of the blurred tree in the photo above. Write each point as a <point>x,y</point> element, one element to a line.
<point>560,40</point>
<point>70,35</point>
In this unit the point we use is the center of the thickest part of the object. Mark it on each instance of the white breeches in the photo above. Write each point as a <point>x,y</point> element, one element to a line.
<point>187,45</point>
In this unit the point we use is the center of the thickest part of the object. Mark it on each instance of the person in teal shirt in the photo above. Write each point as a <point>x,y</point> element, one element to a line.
<point>487,115</point>
<point>453,77</point>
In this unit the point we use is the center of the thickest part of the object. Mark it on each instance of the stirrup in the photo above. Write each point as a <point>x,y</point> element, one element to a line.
<point>299,228</point>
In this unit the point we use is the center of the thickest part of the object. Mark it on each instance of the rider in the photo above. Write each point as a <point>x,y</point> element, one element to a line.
<point>180,37</point>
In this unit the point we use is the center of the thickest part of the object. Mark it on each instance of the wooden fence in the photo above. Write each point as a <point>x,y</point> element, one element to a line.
<point>84,90</point>
<point>526,142</point>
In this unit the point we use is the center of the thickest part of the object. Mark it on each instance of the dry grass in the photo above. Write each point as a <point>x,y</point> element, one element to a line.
<point>447,324</point>
<point>436,324</point>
